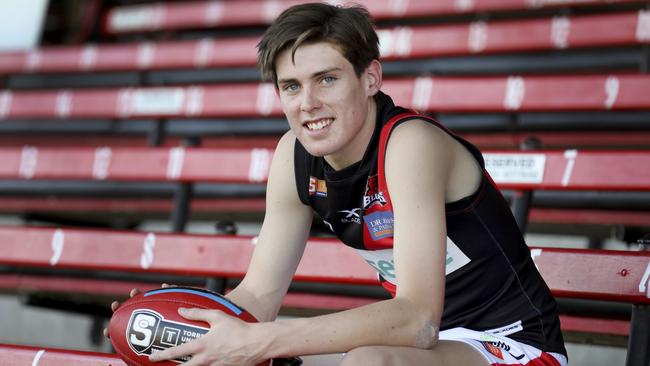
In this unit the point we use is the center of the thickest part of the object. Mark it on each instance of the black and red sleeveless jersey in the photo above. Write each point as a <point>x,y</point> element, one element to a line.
<point>491,284</point>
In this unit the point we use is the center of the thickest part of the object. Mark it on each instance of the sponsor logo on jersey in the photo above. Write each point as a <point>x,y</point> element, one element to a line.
<point>495,346</point>
<point>380,224</point>
<point>351,216</point>
<point>496,351</point>
<point>148,332</point>
<point>383,261</point>
<point>317,187</point>
<point>372,195</point>
<point>455,257</point>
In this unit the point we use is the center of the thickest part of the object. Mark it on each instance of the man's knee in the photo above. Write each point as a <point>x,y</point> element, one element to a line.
<point>370,356</point>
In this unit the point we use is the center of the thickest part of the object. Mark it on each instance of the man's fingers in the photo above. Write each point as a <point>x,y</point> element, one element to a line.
<point>186,349</point>
<point>115,304</point>
<point>204,315</point>
<point>195,361</point>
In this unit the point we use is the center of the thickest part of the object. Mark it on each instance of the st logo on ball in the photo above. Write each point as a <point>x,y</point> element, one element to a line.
<point>149,322</point>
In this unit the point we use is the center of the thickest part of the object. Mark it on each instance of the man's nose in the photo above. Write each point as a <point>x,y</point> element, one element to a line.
<point>310,100</point>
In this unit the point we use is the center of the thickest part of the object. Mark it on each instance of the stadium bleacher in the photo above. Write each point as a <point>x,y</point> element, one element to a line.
<point>24,355</point>
<point>619,276</point>
<point>405,42</point>
<point>161,113</point>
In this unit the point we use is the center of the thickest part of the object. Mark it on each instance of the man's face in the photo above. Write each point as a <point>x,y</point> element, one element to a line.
<point>327,105</point>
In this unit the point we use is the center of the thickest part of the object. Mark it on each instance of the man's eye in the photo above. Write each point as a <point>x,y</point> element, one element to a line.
<point>291,87</point>
<point>328,79</point>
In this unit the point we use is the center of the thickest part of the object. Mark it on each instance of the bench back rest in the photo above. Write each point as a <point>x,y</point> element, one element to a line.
<point>577,273</point>
<point>210,14</point>
<point>559,170</point>
<point>397,43</point>
<point>426,94</point>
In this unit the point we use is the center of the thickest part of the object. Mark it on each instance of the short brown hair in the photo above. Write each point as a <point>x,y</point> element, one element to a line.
<point>348,28</point>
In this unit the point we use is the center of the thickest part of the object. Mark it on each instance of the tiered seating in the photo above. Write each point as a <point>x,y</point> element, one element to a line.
<point>620,276</point>
<point>497,72</point>
<point>206,14</point>
<point>439,94</point>
<point>419,48</point>
<point>568,170</point>
<point>137,164</point>
<point>104,171</point>
<point>35,356</point>
<point>405,42</point>
<point>550,173</point>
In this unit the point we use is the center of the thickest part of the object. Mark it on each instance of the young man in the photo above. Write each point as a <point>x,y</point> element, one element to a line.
<point>396,186</point>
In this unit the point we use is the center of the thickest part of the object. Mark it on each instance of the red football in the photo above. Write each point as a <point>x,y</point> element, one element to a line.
<point>150,322</point>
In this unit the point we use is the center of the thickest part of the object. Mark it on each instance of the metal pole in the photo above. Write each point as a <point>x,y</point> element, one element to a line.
<point>638,343</point>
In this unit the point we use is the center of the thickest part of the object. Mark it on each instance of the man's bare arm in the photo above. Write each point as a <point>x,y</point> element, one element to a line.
<point>281,241</point>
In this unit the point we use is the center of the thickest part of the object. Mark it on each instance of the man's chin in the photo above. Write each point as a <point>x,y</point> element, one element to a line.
<point>315,148</point>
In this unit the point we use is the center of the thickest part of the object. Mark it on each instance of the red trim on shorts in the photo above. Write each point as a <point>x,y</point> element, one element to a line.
<point>544,359</point>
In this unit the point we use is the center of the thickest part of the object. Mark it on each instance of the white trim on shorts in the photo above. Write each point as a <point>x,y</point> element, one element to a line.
<point>501,350</point>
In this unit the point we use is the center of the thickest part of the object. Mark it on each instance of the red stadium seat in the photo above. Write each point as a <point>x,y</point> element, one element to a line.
<point>137,164</point>
<point>404,42</point>
<point>163,84</point>
<point>563,170</point>
<point>208,14</point>
<point>439,94</point>
<point>570,170</point>
<point>621,276</point>
<point>24,355</point>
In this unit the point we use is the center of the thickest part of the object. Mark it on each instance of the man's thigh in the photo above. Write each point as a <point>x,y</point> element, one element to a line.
<point>446,353</point>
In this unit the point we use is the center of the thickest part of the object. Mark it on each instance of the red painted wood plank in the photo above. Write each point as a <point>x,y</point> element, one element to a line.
<point>65,141</point>
<point>573,170</point>
<point>578,273</point>
<point>149,252</point>
<point>134,164</point>
<point>595,274</point>
<point>127,205</point>
<point>327,302</point>
<point>202,14</point>
<point>575,139</point>
<point>563,170</point>
<point>588,140</point>
<point>60,284</point>
<point>587,217</point>
<point>594,325</point>
<point>35,356</point>
<point>257,205</point>
<point>120,289</point>
<point>404,42</point>
<point>437,94</point>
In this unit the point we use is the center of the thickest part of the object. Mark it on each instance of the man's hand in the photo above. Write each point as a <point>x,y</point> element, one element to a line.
<point>115,304</point>
<point>230,342</point>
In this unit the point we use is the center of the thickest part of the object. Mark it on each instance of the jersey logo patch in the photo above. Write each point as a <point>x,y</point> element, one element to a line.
<point>493,349</point>
<point>380,224</point>
<point>317,187</point>
<point>455,257</point>
<point>384,263</point>
<point>351,216</point>
<point>496,347</point>
<point>372,196</point>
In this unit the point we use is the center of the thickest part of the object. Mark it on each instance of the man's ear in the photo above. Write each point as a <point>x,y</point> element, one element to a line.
<point>373,77</point>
